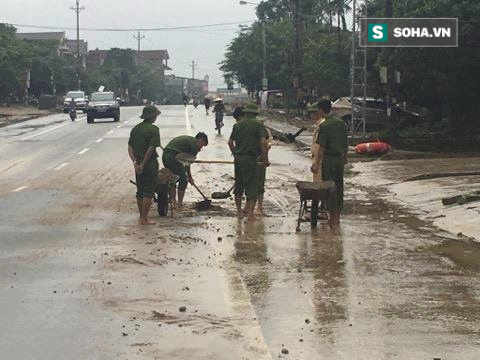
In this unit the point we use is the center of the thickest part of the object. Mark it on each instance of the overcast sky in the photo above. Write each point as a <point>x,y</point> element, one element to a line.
<point>206,46</point>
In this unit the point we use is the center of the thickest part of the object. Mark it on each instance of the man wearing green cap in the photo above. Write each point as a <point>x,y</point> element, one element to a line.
<point>331,155</point>
<point>144,139</point>
<point>247,143</point>
<point>182,145</point>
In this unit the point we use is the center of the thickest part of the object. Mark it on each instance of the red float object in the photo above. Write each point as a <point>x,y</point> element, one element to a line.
<point>373,148</point>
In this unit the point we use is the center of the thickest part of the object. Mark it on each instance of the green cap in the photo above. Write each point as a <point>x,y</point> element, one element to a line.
<point>313,108</point>
<point>251,108</point>
<point>149,112</point>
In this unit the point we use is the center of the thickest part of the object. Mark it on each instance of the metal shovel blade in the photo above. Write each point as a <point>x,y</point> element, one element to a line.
<point>221,195</point>
<point>203,205</point>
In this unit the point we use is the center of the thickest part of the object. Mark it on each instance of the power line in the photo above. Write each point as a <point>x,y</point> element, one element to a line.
<point>133,29</point>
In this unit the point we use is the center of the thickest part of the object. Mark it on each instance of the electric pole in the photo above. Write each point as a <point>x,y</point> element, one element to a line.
<point>194,66</point>
<point>390,82</point>
<point>264,53</point>
<point>77,10</point>
<point>139,38</point>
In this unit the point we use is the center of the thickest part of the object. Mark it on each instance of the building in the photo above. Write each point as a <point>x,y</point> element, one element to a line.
<point>65,47</point>
<point>175,86</point>
<point>156,58</point>
<point>58,37</point>
<point>96,58</point>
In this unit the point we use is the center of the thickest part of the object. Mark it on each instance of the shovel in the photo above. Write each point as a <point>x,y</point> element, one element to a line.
<point>205,204</point>
<point>222,195</point>
<point>187,159</point>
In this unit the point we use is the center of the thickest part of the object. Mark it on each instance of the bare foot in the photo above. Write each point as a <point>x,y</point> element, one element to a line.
<point>146,222</point>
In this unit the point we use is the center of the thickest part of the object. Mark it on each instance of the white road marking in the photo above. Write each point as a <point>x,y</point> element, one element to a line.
<point>61,166</point>
<point>83,151</point>
<point>20,188</point>
<point>110,132</point>
<point>99,140</point>
<point>188,124</point>
<point>43,132</point>
<point>119,126</point>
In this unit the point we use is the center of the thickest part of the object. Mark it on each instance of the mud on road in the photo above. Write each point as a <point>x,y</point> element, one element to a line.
<point>83,280</point>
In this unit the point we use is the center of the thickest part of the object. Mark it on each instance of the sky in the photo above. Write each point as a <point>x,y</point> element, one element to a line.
<point>206,46</point>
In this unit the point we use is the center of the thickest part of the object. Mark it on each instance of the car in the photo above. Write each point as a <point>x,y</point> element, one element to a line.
<point>103,105</point>
<point>376,114</point>
<point>81,101</point>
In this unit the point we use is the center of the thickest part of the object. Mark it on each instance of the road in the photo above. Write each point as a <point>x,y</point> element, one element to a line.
<point>81,280</point>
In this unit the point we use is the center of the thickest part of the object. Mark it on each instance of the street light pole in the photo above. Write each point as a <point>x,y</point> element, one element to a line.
<point>77,10</point>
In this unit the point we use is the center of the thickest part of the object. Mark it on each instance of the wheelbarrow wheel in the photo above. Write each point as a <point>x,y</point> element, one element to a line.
<point>162,204</point>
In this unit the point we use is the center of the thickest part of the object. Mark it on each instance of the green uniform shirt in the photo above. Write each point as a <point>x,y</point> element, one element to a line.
<point>183,144</point>
<point>332,135</point>
<point>247,135</point>
<point>142,137</point>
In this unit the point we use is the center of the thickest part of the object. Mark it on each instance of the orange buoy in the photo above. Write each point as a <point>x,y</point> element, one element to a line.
<point>372,148</point>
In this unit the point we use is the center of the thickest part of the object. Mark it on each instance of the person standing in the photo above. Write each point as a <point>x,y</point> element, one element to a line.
<point>219,110</point>
<point>187,145</point>
<point>247,143</point>
<point>317,118</point>
<point>142,144</point>
<point>331,155</point>
<point>262,173</point>
<point>207,102</point>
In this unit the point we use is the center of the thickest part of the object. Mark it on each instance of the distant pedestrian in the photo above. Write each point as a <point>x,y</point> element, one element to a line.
<point>331,155</point>
<point>219,110</point>
<point>142,145</point>
<point>247,143</point>
<point>207,102</point>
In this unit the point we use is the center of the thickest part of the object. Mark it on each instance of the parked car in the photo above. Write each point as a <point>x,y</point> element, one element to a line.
<point>103,105</point>
<point>81,101</point>
<point>376,114</point>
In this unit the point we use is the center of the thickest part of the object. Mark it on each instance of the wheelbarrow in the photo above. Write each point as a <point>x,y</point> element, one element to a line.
<point>165,181</point>
<point>314,192</point>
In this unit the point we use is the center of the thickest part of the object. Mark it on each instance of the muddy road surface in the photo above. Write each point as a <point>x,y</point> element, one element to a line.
<point>81,280</point>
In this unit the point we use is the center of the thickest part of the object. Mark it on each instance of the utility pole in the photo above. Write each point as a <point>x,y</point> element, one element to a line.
<point>194,66</point>
<point>139,38</point>
<point>264,65</point>
<point>77,10</point>
<point>390,83</point>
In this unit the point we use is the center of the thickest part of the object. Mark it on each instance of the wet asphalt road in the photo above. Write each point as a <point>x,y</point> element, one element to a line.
<point>80,280</point>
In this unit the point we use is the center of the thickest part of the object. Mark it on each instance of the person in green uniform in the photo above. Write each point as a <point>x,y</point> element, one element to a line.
<point>262,174</point>
<point>331,155</point>
<point>182,144</point>
<point>247,143</point>
<point>144,139</point>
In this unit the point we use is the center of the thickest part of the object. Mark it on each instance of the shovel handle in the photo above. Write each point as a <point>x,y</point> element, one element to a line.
<point>200,191</point>
<point>213,162</point>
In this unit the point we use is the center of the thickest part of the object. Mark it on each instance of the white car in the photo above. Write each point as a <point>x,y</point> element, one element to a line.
<point>80,99</point>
